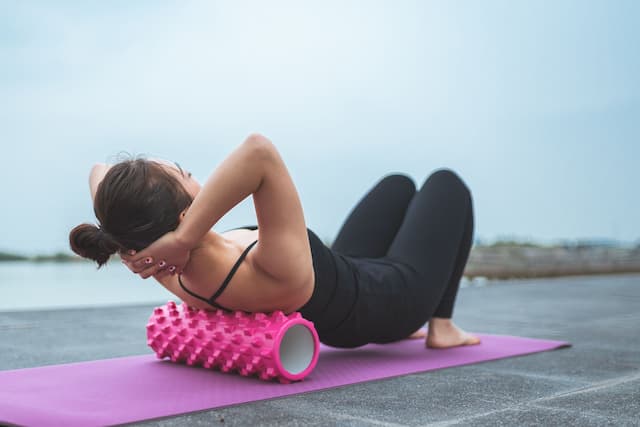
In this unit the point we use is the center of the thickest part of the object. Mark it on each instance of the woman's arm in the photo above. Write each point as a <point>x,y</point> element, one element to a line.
<point>98,171</point>
<point>254,168</point>
<point>240,175</point>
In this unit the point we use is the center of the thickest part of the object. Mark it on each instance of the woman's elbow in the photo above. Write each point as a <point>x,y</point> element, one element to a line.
<point>260,146</point>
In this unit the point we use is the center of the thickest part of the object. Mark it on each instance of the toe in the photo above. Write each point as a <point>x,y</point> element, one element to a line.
<point>472,340</point>
<point>419,334</point>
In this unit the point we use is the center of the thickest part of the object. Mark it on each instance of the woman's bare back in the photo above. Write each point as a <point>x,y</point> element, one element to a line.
<point>250,288</point>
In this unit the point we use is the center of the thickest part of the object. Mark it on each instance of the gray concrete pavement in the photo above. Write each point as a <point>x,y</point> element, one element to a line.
<point>596,382</point>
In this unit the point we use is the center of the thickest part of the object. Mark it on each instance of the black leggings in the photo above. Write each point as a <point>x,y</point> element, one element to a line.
<point>431,230</point>
<point>397,261</point>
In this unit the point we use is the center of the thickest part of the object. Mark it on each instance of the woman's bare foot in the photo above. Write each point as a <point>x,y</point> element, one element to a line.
<point>444,334</point>
<point>419,334</point>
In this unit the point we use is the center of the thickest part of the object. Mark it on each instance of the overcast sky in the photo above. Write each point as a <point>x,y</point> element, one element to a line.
<point>536,104</point>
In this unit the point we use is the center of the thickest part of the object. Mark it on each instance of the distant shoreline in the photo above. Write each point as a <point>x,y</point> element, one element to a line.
<point>59,257</point>
<point>501,260</point>
<point>513,261</point>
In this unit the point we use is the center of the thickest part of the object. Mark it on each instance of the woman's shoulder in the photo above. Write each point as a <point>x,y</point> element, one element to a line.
<point>242,236</point>
<point>226,260</point>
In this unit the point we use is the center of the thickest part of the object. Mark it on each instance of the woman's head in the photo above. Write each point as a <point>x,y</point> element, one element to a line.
<point>137,202</point>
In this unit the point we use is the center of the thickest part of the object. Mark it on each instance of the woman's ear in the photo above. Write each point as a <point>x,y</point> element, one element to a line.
<point>182,215</point>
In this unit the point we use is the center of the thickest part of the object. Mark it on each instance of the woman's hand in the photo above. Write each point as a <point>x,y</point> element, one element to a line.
<point>167,254</point>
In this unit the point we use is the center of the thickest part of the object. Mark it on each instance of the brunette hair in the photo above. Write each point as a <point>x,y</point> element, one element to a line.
<point>136,203</point>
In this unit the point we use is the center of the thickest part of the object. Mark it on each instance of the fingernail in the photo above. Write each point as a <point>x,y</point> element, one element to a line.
<point>131,252</point>
<point>162,263</point>
<point>148,260</point>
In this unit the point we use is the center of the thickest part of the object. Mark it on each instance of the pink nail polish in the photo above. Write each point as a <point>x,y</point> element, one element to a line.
<point>148,260</point>
<point>162,263</point>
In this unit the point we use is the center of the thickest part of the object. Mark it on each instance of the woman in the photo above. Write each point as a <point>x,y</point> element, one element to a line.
<point>396,263</point>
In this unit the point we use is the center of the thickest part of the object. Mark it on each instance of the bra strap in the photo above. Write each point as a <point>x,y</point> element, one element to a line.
<point>212,300</point>
<point>231,273</point>
<point>193,294</point>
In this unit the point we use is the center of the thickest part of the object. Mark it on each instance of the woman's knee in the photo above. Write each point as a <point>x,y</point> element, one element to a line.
<point>398,182</point>
<point>449,179</point>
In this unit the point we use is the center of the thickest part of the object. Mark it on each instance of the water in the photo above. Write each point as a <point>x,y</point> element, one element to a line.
<point>35,286</point>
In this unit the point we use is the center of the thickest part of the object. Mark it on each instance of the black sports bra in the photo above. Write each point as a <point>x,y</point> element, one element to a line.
<point>212,301</point>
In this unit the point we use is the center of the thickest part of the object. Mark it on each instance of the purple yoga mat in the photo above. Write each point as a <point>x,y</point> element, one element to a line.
<point>128,389</point>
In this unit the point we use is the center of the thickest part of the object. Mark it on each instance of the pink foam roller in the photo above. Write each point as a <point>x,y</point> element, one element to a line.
<point>275,345</point>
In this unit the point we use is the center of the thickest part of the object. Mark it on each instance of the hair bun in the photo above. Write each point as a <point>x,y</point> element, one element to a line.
<point>91,242</point>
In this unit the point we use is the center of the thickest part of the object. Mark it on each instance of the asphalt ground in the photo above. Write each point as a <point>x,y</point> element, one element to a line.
<point>595,382</point>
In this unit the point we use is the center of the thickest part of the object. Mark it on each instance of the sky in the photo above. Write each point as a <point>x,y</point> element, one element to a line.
<point>535,104</point>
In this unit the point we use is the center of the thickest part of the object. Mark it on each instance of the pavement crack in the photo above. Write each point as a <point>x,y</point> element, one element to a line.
<point>535,402</point>
<point>592,387</point>
<point>534,375</point>
<point>367,420</point>
<point>18,326</point>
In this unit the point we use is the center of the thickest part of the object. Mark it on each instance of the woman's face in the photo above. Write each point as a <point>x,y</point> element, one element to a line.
<point>183,176</point>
